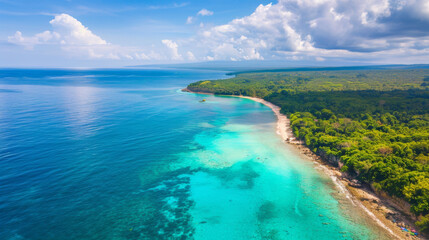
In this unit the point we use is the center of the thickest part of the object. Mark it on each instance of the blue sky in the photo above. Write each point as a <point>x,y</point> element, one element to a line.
<point>99,33</point>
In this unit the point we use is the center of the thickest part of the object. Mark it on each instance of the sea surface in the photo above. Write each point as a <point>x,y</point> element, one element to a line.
<point>124,154</point>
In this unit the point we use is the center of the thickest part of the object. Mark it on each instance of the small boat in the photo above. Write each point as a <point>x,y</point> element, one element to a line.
<point>203,100</point>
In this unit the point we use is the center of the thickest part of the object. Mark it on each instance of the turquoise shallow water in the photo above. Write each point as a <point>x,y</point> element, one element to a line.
<point>124,154</point>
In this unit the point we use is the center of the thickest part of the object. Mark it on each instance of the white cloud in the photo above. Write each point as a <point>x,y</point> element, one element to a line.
<point>336,15</point>
<point>320,29</point>
<point>141,56</point>
<point>168,6</point>
<point>205,12</point>
<point>173,47</point>
<point>190,19</point>
<point>30,42</point>
<point>191,56</point>
<point>209,58</point>
<point>72,31</point>
<point>77,40</point>
<point>265,30</point>
<point>297,30</point>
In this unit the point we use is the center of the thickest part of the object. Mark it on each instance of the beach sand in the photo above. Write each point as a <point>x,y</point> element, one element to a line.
<point>283,123</point>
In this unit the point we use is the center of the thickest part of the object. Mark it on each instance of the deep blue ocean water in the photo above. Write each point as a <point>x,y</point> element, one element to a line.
<point>124,154</point>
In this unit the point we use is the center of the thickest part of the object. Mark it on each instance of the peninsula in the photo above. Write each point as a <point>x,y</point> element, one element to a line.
<point>369,127</point>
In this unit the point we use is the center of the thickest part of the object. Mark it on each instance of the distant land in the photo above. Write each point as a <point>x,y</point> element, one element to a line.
<point>274,66</point>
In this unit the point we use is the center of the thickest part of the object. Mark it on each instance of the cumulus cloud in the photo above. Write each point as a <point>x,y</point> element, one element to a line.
<point>265,30</point>
<point>73,32</point>
<point>205,12</point>
<point>389,31</point>
<point>73,37</point>
<point>191,56</point>
<point>30,42</point>
<point>173,48</point>
<point>190,20</point>
<point>322,29</point>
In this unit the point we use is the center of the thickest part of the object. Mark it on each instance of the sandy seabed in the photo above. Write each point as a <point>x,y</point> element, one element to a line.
<point>371,204</point>
<point>375,207</point>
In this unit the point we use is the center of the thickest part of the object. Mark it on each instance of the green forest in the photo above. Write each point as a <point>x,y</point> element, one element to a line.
<point>373,124</point>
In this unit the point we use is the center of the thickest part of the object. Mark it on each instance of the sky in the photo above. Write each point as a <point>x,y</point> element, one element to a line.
<point>109,33</point>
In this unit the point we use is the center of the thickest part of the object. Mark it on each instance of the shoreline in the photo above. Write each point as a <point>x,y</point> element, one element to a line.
<point>376,208</point>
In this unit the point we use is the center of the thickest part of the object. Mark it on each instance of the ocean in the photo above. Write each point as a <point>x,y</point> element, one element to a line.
<point>124,154</point>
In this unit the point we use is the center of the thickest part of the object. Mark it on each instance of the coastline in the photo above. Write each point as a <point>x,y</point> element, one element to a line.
<point>375,207</point>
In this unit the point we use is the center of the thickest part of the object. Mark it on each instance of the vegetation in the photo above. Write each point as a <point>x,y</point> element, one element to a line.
<point>373,123</point>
